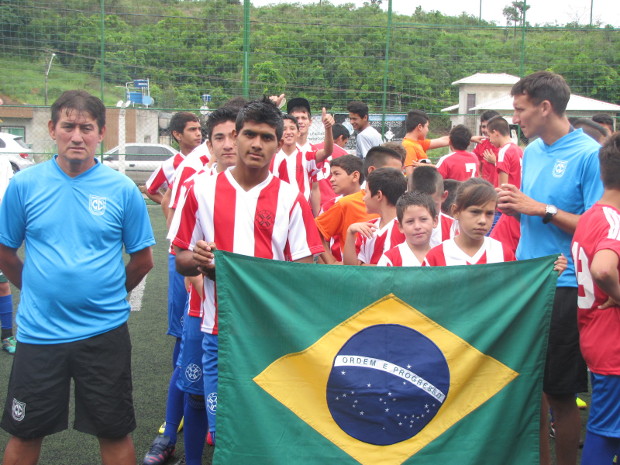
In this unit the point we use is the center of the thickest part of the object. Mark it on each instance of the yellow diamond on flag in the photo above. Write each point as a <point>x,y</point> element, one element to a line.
<point>385,383</point>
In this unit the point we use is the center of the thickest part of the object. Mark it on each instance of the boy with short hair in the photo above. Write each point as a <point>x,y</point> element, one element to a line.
<point>415,142</point>
<point>460,164</point>
<point>256,214</point>
<point>426,179</point>
<point>367,136</point>
<point>485,150</point>
<point>417,217</point>
<point>367,242</point>
<point>351,208</point>
<point>341,136</point>
<point>596,253</point>
<point>509,155</point>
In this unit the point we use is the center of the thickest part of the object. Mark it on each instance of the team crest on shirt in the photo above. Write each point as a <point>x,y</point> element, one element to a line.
<point>559,168</point>
<point>18,411</point>
<point>97,204</point>
<point>212,402</point>
<point>264,219</point>
<point>193,372</point>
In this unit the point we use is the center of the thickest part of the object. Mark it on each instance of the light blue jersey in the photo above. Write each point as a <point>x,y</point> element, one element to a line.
<point>565,174</point>
<point>73,281</point>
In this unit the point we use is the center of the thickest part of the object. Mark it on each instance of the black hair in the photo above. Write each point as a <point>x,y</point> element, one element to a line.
<point>261,111</point>
<point>378,156</point>
<point>390,181</point>
<point>290,117</point>
<point>219,116</point>
<point>544,85</point>
<point>609,158</point>
<point>340,130</point>
<point>498,124</point>
<point>80,101</point>
<point>179,120</point>
<point>350,164</point>
<point>359,108</point>
<point>460,137</point>
<point>415,198</point>
<point>487,115</point>
<point>450,185</point>
<point>592,129</point>
<point>414,119</point>
<point>426,179</point>
<point>603,118</point>
<point>473,192</point>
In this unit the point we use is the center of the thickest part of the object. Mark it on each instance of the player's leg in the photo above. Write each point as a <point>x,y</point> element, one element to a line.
<point>6,316</point>
<point>22,451</point>
<point>117,451</point>
<point>209,368</point>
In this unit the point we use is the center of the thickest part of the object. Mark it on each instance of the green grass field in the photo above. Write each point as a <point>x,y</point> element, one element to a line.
<point>152,351</point>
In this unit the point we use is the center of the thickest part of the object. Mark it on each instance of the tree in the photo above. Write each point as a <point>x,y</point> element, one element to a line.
<point>515,14</point>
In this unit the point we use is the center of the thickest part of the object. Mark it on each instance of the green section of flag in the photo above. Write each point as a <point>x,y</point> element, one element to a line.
<point>271,312</point>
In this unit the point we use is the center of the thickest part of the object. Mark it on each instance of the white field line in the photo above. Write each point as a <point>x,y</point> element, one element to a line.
<point>135,298</point>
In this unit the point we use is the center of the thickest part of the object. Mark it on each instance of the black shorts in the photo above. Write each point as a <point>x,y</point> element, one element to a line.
<point>37,402</point>
<point>565,369</point>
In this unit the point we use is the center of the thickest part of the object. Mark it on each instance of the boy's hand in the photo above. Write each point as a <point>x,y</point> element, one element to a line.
<point>560,264</point>
<point>610,303</point>
<point>365,229</point>
<point>203,255</point>
<point>328,120</point>
<point>278,100</point>
<point>489,156</point>
<point>477,139</point>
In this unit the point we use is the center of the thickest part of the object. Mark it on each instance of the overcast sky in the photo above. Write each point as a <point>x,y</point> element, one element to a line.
<point>541,11</point>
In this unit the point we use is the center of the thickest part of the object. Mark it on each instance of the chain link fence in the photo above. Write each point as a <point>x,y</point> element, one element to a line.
<point>199,54</point>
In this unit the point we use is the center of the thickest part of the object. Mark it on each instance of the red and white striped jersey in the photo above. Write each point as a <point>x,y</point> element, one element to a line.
<point>193,163</point>
<point>448,253</point>
<point>447,227</point>
<point>369,251</point>
<point>164,175</point>
<point>271,220</point>
<point>296,169</point>
<point>401,255</point>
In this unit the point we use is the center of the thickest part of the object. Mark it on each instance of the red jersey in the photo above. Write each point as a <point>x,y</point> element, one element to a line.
<point>509,161</point>
<point>450,254</point>
<point>507,230</point>
<point>271,220</point>
<point>599,330</point>
<point>401,255</point>
<point>164,175</point>
<point>446,228</point>
<point>369,251</point>
<point>193,163</point>
<point>459,165</point>
<point>296,169</point>
<point>489,170</point>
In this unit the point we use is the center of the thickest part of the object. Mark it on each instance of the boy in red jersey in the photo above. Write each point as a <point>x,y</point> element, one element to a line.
<point>596,252</point>
<point>244,210</point>
<point>367,242</point>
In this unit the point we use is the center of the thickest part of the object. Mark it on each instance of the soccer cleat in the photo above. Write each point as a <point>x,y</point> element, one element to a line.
<point>160,452</point>
<point>581,404</point>
<point>8,345</point>
<point>211,438</point>
<point>162,428</point>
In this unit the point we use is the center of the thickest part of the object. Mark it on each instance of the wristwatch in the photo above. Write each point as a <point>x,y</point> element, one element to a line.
<point>550,212</point>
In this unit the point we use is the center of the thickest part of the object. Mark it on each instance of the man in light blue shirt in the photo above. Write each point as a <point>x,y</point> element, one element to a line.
<point>75,216</point>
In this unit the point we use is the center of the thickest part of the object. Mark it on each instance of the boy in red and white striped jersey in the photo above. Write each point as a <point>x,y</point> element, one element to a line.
<point>244,210</point>
<point>367,242</point>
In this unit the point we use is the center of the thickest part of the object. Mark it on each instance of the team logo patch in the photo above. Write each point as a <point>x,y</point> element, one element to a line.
<point>97,205</point>
<point>559,168</point>
<point>212,402</point>
<point>382,393</point>
<point>193,372</point>
<point>264,219</point>
<point>18,411</point>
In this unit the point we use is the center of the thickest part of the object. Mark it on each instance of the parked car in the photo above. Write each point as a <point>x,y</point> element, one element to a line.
<point>19,154</point>
<point>140,159</point>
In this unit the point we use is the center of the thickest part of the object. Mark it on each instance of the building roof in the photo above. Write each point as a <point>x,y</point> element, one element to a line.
<point>576,103</point>
<point>488,78</point>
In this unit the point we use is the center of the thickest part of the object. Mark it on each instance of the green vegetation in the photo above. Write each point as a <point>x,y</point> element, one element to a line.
<point>327,53</point>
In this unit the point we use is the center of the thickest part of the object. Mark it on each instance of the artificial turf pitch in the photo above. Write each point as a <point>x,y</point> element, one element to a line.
<point>152,352</point>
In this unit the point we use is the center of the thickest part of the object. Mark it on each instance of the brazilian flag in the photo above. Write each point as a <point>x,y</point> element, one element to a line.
<point>380,366</point>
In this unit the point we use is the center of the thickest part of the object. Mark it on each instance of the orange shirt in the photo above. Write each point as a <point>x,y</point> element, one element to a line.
<point>416,150</point>
<point>348,210</point>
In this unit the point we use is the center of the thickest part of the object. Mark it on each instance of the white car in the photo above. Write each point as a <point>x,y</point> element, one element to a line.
<point>19,154</point>
<point>140,159</point>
